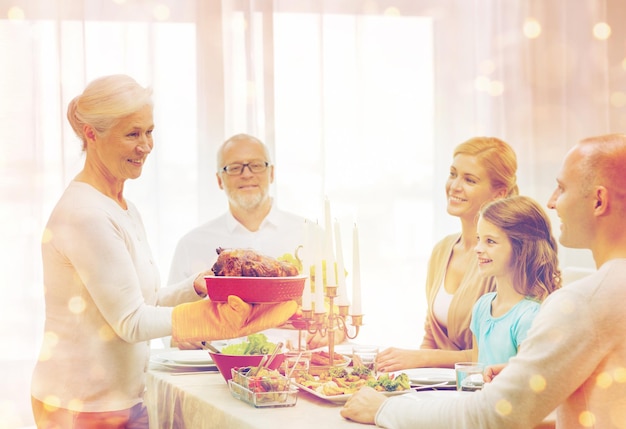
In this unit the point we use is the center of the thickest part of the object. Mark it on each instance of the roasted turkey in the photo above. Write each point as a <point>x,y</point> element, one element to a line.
<point>248,263</point>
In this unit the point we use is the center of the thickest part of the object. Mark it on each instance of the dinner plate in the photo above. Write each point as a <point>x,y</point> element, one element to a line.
<point>180,359</point>
<point>427,376</point>
<point>340,399</point>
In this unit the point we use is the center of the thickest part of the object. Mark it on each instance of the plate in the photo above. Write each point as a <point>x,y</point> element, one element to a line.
<point>426,376</point>
<point>340,399</point>
<point>181,359</point>
<point>318,369</point>
<point>255,290</point>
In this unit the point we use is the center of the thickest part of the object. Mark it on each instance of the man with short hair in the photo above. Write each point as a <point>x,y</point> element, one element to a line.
<point>574,357</point>
<point>244,172</point>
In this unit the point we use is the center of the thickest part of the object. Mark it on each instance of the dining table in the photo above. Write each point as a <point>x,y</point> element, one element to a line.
<point>202,400</point>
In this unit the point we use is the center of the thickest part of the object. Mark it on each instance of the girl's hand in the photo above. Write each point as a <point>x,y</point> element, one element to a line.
<point>491,372</point>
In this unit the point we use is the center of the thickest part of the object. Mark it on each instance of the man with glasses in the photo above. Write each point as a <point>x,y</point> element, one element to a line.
<point>244,172</point>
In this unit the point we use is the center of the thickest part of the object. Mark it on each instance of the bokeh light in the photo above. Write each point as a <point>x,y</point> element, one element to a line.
<point>587,419</point>
<point>618,99</point>
<point>537,383</point>
<point>76,305</point>
<point>75,404</point>
<point>391,11</point>
<point>106,333</point>
<point>161,12</point>
<point>531,28</point>
<point>620,375</point>
<point>504,407</point>
<point>604,380</point>
<point>481,83</point>
<point>496,88</point>
<point>51,402</point>
<point>602,31</point>
<point>16,14</point>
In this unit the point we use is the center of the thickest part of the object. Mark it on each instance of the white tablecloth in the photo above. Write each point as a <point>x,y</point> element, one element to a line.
<point>203,401</point>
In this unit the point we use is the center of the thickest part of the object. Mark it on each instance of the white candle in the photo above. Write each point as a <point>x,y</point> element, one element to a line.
<point>356,274</point>
<point>306,267</point>
<point>331,276</point>
<point>319,276</point>
<point>342,292</point>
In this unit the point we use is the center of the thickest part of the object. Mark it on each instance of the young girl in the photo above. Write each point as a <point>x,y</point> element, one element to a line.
<point>516,247</point>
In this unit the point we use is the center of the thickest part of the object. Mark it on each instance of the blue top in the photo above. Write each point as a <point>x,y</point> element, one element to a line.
<point>498,338</point>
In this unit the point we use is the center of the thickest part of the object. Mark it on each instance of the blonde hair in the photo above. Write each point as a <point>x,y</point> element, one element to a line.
<point>104,102</point>
<point>535,250</point>
<point>497,157</point>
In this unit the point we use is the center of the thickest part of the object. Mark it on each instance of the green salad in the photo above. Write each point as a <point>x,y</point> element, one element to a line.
<point>257,344</point>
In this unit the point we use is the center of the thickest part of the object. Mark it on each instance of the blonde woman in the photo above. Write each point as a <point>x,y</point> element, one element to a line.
<point>483,169</point>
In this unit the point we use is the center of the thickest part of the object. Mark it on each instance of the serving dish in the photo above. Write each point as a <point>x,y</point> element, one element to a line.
<point>269,389</point>
<point>255,290</point>
<point>225,363</point>
<point>340,399</point>
<point>286,398</point>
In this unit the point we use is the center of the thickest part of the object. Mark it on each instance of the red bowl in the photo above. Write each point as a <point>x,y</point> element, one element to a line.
<point>255,290</point>
<point>226,362</point>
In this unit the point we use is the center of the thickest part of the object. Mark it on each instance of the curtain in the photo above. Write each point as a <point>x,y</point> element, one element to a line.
<point>360,101</point>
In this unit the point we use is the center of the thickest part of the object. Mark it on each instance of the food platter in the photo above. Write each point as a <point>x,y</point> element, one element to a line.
<point>255,290</point>
<point>183,359</point>
<point>340,399</point>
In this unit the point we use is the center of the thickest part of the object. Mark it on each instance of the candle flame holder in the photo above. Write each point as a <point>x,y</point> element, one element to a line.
<point>326,323</point>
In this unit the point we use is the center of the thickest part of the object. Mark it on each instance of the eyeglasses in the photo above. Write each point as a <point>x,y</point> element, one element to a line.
<point>253,166</point>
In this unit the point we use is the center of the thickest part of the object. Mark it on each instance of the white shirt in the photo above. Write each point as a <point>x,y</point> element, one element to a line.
<point>279,233</point>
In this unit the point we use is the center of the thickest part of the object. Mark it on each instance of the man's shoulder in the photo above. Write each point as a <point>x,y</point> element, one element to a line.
<point>284,218</point>
<point>290,215</point>
<point>214,226</point>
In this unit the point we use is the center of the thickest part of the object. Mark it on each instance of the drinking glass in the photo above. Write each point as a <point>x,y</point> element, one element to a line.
<point>296,363</point>
<point>365,356</point>
<point>469,376</point>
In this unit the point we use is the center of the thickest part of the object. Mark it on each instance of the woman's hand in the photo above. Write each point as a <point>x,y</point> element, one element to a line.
<point>394,359</point>
<point>363,405</point>
<point>199,284</point>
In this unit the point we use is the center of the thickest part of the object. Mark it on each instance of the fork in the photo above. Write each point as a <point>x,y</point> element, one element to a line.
<point>430,386</point>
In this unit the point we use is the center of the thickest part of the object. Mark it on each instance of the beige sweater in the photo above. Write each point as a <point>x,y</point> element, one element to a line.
<point>457,336</point>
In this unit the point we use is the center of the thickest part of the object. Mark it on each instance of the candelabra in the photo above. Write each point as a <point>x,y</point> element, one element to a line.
<point>327,322</point>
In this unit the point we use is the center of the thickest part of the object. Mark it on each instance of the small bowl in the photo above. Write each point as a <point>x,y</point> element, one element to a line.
<point>227,362</point>
<point>255,290</point>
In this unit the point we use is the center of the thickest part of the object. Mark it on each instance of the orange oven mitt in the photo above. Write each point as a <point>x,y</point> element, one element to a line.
<point>207,320</point>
